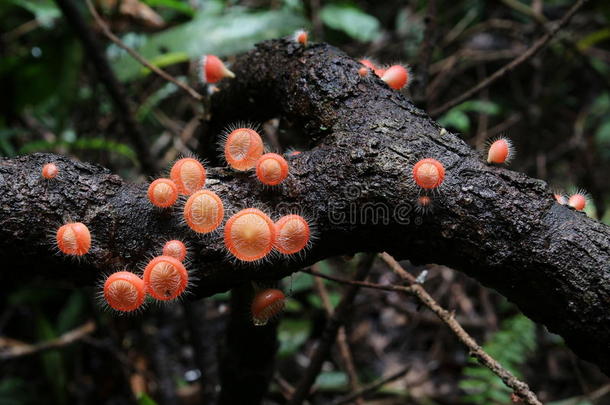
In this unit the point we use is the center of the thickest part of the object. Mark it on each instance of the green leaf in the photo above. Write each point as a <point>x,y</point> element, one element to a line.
<point>180,6</point>
<point>455,119</point>
<point>292,333</point>
<point>316,301</point>
<point>144,399</point>
<point>351,20</point>
<point>6,147</point>
<point>593,38</point>
<point>223,296</point>
<point>480,106</point>
<point>510,346</point>
<point>458,119</point>
<point>602,135</point>
<point>165,91</point>
<point>293,306</point>
<point>72,313</point>
<point>52,361</point>
<point>300,282</point>
<point>81,143</point>
<point>167,59</point>
<point>45,11</point>
<point>331,380</point>
<point>228,33</point>
<point>15,391</point>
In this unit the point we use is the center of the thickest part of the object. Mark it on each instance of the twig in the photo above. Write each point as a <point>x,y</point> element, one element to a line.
<point>330,333</point>
<point>533,50</point>
<point>416,290</point>
<point>286,389</point>
<point>344,350</point>
<point>113,86</point>
<point>520,388</point>
<point>374,386</point>
<point>12,349</point>
<point>397,268</point>
<point>188,89</point>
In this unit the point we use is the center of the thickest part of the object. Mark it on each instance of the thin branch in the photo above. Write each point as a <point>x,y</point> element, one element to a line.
<point>533,50</point>
<point>344,350</point>
<point>114,88</point>
<point>10,349</point>
<point>106,30</point>
<point>374,386</point>
<point>329,334</point>
<point>397,268</point>
<point>416,290</point>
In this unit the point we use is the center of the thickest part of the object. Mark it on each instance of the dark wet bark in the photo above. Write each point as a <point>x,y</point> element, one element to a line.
<point>498,226</point>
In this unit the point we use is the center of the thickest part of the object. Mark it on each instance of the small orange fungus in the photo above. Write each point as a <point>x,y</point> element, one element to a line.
<point>163,193</point>
<point>124,291</point>
<point>292,234</point>
<point>165,278</point>
<point>73,239</point>
<point>204,211</point>
<point>271,169</point>
<point>189,175</point>
<point>266,305</point>
<point>249,235</point>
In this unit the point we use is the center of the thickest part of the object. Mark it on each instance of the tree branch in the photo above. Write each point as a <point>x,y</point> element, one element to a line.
<point>498,226</point>
<point>10,349</point>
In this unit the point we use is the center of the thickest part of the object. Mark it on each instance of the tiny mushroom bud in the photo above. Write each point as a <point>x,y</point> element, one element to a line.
<point>266,305</point>
<point>50,171</point>
<point>176,249</point>
<point>271,169</point>
<point>301,36</point>
<point>73,239</point>
<point>212,70</point>
<point>428,173</point>
<point>500,151</point>
<point>578,201</point>
<point>369,64</point>
<point>423,204</point>
<point>560,198</point>
<point>396,77</point>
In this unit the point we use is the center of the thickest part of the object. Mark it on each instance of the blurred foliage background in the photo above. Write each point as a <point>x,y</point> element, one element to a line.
<point>555,107</point>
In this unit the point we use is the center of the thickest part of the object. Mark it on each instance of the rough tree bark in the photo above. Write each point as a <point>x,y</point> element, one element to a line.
<point>498,226</point>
